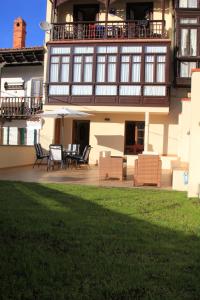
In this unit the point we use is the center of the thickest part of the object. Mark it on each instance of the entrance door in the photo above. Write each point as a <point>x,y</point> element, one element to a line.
<point>139,11</point>
<point>81,133</point>
<point>85,12</point>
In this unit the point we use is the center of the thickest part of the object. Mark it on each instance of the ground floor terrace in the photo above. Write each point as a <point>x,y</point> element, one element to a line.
<point>80,176</point>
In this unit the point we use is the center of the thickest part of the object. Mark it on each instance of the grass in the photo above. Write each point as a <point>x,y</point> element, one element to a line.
<point>73,242</point>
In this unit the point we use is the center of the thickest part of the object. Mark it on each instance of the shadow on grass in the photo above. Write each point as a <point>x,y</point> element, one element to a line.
<point>70,242</point>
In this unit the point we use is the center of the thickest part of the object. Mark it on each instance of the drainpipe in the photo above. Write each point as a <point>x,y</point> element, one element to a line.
<point>146,132</point>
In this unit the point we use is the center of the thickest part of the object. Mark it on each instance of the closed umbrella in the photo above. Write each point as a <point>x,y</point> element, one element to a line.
<point>63,113</point>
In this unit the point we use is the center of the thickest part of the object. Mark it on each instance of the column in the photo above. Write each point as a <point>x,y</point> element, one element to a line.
<point>146,132</point>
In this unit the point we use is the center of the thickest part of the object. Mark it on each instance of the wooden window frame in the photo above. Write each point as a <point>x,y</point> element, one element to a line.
<point>118,82</point>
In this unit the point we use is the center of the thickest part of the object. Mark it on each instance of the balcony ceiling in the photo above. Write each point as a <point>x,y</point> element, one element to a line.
<point>59,2</point>
<point>22,56</point>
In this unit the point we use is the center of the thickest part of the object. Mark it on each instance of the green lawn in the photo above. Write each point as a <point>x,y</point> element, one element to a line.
<point>75,242</point>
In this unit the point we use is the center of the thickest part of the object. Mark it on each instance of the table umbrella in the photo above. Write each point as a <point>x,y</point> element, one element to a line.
<point>63,113</point>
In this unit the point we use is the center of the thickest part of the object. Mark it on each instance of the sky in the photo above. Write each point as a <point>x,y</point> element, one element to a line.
<point>32,11</point>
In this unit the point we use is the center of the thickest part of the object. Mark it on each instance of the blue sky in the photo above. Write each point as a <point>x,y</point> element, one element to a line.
<point>32,11</point>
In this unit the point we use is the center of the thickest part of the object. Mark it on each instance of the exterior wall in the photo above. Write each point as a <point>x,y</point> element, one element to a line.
<point>194,150</point>
<point>19,74</point>
<point>14,156</point>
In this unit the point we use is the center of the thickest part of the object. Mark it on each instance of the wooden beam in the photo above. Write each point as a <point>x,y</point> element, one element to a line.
<point>163,17</point>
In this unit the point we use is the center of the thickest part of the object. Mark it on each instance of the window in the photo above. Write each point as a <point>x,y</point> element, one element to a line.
<point>82,71</point>
<point>109,70</point>
<point>19,136</point>
<point>134,137</point>
<point>59,71</point>
<point>188,4</point>
<point>130,68</point>
<point>186,68</point>
<point>188,42</point>
<point>106,68</point>
<point>155,66</point>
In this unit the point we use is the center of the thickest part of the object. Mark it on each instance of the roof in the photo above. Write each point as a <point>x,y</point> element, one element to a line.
<point>29,55</point>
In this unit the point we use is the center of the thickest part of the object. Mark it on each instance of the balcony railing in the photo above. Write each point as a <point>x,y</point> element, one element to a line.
<point>142,29</point>
<point>20,107</point>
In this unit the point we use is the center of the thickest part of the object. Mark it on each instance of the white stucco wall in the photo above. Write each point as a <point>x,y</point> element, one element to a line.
<point>19,74</point>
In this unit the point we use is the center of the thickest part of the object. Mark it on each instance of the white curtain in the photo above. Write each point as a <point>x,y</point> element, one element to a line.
<point>154,90</point>
<point>130,90</point>
<point>60,50</point>
<point>186,68</point>
<point>183,3</point>
<point>84,50</point>
<point>112,68</point>
<point>65,69</point>
<point>131,49</point>
<point>88,69</point>
<point>54,69</point>
<point>193,42</point>
<point>192,3</point>
<point>160,76</point>
<point>124,76</point>
<point>77,69</point>
<point>136,68</point>
<point>58,89</point>
<point>184,42</point>
<point>106,90</point>
<point>149,69</point>
<point>155,49</point>
<point>81,90</point>
<point>101,60</point>
<point>107,49</point>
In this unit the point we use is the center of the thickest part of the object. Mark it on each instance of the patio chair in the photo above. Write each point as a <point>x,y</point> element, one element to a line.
<point>147,170</point>
<point>73,149</point>
<point>40,155</point>
<point>82,159</point>
<point>55,156</point>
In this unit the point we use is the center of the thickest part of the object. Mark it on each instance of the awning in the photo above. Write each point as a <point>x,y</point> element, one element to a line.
<point>59,2</point>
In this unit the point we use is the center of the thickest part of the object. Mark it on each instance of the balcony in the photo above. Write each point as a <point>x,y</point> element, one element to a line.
<point>20,107</point>
<point>115,30</point>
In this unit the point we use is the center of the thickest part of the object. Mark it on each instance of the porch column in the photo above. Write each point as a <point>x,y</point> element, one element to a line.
<point>163,17</point>
<point>107,3</point>
<point>146,132</point>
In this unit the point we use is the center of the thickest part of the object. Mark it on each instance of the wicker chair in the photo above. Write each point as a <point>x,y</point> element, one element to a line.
<point>147,170</point>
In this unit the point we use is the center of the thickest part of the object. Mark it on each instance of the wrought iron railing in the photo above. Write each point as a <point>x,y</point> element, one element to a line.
<point>14,107</point>
<point>111,30</point>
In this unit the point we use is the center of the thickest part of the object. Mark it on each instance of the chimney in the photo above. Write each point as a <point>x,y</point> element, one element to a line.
<point>19,33</point>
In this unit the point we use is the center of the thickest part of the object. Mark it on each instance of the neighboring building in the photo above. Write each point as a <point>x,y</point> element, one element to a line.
<point>128,63</point>
<point>21,89</point>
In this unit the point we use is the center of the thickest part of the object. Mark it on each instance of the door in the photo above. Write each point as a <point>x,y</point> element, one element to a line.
<point>139,11</point>
<point>81,133</point>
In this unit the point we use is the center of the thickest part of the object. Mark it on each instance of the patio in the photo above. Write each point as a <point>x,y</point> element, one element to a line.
<point>83,176</point>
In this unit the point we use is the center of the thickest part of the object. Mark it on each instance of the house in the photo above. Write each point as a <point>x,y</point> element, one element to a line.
<point>129,64</point>
<point>21,92</point>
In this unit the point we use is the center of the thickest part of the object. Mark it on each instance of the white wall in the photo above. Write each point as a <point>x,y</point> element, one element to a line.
<point>19,74</point>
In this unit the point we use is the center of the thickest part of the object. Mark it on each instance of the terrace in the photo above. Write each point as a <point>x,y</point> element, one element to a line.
<point>19,107</point>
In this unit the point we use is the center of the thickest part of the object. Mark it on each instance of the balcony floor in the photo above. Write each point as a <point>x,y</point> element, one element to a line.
<point>83,176</point>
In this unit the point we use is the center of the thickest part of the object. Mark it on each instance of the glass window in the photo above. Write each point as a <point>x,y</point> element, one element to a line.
<point>81,90</point>
<point>188,42</point>
<point>58,89</point>
<point>134,137</point>
<point>160,71</point>
<point>188,4</point>
<point>149,68</point>
<point>65,69</point>
<point>186,68</point>
<point>112,68</point>
<point>106,90</point>
<point>125,68</point>
<point>188,21</point>
<point>54,70</point>
<point>136,68</point>
<point>130,90</point>
<point>154,90</point>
